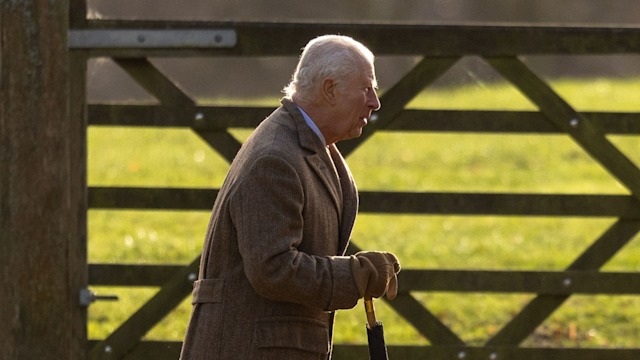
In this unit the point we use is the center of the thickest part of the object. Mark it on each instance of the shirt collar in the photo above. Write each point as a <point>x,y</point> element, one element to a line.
<point>312,125</point>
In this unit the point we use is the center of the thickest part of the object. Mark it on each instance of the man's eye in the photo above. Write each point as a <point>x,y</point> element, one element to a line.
<point>366,90</point>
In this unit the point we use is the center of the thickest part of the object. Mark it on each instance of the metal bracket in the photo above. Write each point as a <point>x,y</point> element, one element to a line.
<point>151,39</point>
<point>87,297</point>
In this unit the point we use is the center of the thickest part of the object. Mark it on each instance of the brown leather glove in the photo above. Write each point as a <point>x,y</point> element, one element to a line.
<point>375,273</point>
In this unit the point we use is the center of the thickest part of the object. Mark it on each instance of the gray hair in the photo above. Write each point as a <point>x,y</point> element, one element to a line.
<point>329,56</point>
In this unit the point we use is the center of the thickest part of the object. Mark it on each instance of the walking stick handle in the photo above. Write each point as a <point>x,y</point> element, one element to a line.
<point>371,312</point>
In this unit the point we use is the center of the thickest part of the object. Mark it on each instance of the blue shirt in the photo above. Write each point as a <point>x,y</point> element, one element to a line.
<point>312,125</point>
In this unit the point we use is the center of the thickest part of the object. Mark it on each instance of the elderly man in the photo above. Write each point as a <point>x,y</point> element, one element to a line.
<point>273,269</point>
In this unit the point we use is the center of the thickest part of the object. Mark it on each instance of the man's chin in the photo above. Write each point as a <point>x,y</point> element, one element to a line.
<point>355,133</point>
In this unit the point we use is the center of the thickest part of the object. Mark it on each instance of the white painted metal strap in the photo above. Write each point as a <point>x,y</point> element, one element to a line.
<point>121,38</point>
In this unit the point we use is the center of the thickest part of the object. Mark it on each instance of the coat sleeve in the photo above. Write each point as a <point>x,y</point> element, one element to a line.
<point>267,212</point>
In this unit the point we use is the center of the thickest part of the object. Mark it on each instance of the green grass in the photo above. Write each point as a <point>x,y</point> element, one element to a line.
<point>402,162</point>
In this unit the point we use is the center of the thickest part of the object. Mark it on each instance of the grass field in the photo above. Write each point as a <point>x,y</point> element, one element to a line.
<point>399,161</point>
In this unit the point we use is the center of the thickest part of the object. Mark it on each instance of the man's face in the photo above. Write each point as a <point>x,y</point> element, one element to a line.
<point>356,98</point>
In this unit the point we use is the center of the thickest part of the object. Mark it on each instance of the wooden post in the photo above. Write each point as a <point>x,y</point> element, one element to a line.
<point>42,187</point>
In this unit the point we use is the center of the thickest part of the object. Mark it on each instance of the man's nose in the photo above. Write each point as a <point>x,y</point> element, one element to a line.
<point>374,102</point>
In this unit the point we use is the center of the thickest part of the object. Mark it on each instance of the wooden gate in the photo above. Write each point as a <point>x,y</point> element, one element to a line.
<point>131,43</point>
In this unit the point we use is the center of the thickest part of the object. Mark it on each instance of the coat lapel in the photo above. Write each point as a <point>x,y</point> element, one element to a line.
<point>332,169</point>
<point>319,159</point>
<point>349,198</point>
<point>328,178</point>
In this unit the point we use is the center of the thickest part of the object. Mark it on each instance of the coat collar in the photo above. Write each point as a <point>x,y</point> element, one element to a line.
<point>338,180</point>
<point>318,158</point>
<point>308,139</point>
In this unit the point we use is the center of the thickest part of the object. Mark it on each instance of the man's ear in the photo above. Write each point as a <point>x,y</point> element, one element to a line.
<point>329,90</point>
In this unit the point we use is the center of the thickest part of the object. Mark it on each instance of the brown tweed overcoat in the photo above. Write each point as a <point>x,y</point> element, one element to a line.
<point>271,272</point>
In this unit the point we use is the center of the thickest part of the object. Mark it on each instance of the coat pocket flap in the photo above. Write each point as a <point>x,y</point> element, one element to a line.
<point>292,332</point>
<point>207,291</point>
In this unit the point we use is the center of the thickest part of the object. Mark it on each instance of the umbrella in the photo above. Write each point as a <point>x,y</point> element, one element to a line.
<point>375,333</point>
